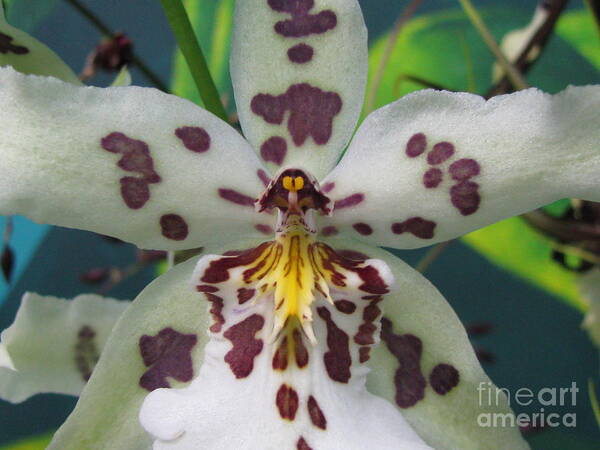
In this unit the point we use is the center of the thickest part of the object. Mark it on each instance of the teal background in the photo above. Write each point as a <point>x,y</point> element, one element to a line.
<point>536,340</point>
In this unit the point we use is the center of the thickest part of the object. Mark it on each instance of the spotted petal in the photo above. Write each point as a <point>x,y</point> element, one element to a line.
<point>435,165</point>
<point>299,71</point>
<point>260,390</point>
<point>28,55</point>
<point>129,162</point>
<point>427,368</point>
<point>54,344</point>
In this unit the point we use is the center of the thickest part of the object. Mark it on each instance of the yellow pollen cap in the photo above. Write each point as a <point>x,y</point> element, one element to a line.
<point>293,184</point>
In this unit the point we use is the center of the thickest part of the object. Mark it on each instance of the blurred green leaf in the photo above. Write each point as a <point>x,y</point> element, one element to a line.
<point>31,443</point>
<point>26,14</point>
<point>579,30</point>
<point>212,23</point>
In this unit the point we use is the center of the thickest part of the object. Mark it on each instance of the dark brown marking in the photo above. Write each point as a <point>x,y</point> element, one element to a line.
<point>216,311</point>
<point>207,288</point>
<point>366,331</point>
<point>195,139</point>
<point>464,169</point>
<point>245,346</point>
<point>409,380</point>
<point>244,294</point>
<point>263,176</point>
<point>287,402</point>
<point>218,269</point>
<point>135,157</point>
<point>364,354</point>
<point>168,354</point>
<point>280,357</point>
<point>421,228</point>
<point>302,445</point>
<point>442,151</point>
<point>86,352</point>
<point>337,359</point>
<point>236,197</point>
<point>443,378</point>
<point>174,227</point>
<point>329,230</point>
<point>351,200</point>
<point>311,111</point>
<point>316,414</point>
<point>274,150</point>
<point>345,306</point>
<point>264,229</point>
<point>416,145</point>
<point>465,197</point>
<point>6,46</point>
<point>432,178</point>
<point>302,22</point>
<point>352,254</point>
<point>300,350</point>
<point>363,228</point>
<point>301,53</point>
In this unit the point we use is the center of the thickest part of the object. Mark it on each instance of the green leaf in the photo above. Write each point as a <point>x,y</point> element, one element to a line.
<point>212,23</point>
<point>31,443</point>
<point>579,30</point>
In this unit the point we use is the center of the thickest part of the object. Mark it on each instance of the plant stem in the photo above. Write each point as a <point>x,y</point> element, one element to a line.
<point>408,12</point>
<point>513,74</point>
<point>433,254</point>
<point>190,48</point>
<point>105,31</point>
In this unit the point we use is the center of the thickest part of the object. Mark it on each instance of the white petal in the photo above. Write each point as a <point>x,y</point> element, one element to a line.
<point>435,165</point>
<point>54,344</point>
<point>259,393</point>
<point>28,55</point>
<point>129,162</point>
<point>435,390</point>
<point>304,112</point>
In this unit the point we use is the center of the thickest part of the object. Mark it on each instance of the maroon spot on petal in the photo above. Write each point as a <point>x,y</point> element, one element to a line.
<point>316,414</point>
<point>345,306</point>
<point>301,53</point>
<point>287,402</point>
<point>408,379</point>
<point>135,157</point>
<point>302,445</point>
<point>311,111</point>
<point>6,46</point>
<point>274,150</point>
<point>280,357</point>
<point>236,197</point>
<point>302,22</point>
<point>432,178</point>
<point>216,311</point>
<point>300,350</point>
<point>441,152</point>
<point>168,354</point>
<point>244,294</point>
<point>443,378</point>
<point>174,227</point>
<point>86,352</point>
<point>364,354</point>
<point>328,187</point>
<point>351,200</point>
<point>337,359</point>
<point>416,145</point>
<point>463,169</point>
<point>245,346</point>
<point>329,230</point>
<point>262,175</point>
<point>218,269</point>
<point>363,228</point>
<point>135,192</point>
<point>207,288</point>
<point>264,229</point>
<point>352,254</point>
<point>418,226</point>
<point>195,139</point>
<point>366,331</point>
<point>465,197</point>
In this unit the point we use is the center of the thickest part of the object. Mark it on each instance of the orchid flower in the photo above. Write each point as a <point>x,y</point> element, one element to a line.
<point>293,289</point>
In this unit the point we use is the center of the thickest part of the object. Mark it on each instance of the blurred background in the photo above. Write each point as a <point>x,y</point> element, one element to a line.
<point>514,288</point>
